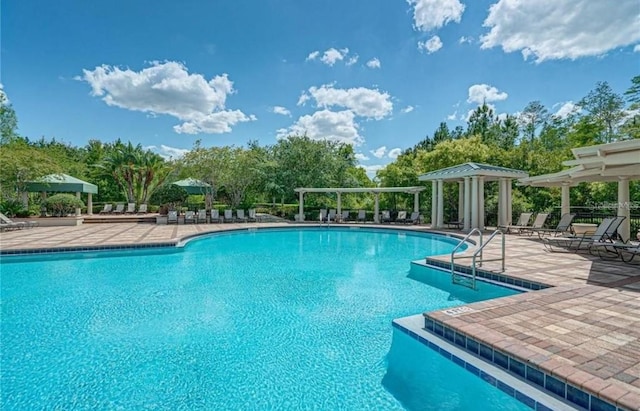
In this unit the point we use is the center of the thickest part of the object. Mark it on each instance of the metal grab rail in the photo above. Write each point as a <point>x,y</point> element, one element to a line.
<point>471,281</point>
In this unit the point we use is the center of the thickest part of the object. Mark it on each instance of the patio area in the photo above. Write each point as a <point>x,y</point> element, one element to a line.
<point>584,329</point>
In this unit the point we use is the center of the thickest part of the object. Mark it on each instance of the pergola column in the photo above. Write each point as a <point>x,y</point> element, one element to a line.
<point>89,204</point>
<point>509,203</point>
<point>481,203</point>
<point>467,204</point>
<point>623,208</point>
<point>78,209</point>
<point>301,206</point>
<point>434,203</point>
<point>376,207</point>
<point>339,201</point>
<point>440,217</point>
<point>25,199</point>
<point>565,202</point>
<point>460,200</point>
<point>474,202</point>
<point>416,202</point>
<point>502,203</point>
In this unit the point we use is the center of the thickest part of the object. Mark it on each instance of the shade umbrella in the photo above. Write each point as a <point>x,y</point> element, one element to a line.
<point>194,186</point>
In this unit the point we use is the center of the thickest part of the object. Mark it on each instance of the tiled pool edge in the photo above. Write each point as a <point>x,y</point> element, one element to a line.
<point>516,366</point>
<point>499,381</point>
<point>109,247</point>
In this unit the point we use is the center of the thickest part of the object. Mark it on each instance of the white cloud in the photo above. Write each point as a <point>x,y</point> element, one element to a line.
<point>567,109</point>
<point>281,110</point>
<point>453,115</point>
<point>371,170</point>
<point>313,55</point>
<point>408,109</point>
<point>394,153</point>
<point>431,46</point>
<point>430,15</point>
<point>168,88</point>
<point>361,157</point>
<point>561,29</point>
<point>480,93</point>
<point>379,152</point>
<point>465,40</point>
<point>326,125</point>
<point>304,97</point>
<point>362,101</point>
<point>636,48</point>
<point>373,63</point>
<point>352,60</point>
<point>331,56</point>
<point>168,152</point>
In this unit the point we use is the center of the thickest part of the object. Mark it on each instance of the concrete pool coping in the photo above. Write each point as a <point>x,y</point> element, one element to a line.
<point>584,328</point>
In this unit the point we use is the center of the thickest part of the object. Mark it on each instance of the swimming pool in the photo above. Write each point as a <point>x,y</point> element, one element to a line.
<point>270,319</point>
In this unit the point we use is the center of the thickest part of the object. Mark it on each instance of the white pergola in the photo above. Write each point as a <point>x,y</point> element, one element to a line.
<point>471,178</point>
<point>619,161</point>
<point>372,190</point>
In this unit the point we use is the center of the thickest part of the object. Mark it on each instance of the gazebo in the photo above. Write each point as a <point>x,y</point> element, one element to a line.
<point>471,178</point>
<point>611,162</point>
<point>62,183</point>
<point>373,190</point>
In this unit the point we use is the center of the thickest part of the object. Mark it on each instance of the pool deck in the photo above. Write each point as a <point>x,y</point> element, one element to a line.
<point>584,329</point>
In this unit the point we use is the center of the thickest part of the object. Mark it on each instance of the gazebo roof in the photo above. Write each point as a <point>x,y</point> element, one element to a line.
<point>604,162</point>
<point>61,183</point>
<point>360,190</point>
<point>193,186</point>
<point>456,173</point>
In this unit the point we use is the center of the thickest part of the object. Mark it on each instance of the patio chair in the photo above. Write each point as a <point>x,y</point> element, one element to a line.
<point>240,215</point>
<point>215,216</point>
<point>604,232</point>
<point>563,227</point>
<point>201,216</point>
<point>108,209</point>
<point>415,218</point>
<point>252,217</point>
<point>345,216</point>
<point>538,222</point>
<point>228,216</point>
<point>131,208</point>
<point>627,252</point>
<point>17,224</point>
<point>332,215</point>
<point>172,217</point>
<point>142,209</point>
<point>523,222</point>
<point>362,216</point>
<point>402,217</point>
<point>189,217</point>
<point>323,215</point>
<point>385,217</point>
<point>119,209</point>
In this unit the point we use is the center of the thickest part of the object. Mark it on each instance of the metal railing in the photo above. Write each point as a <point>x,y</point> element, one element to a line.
<point>477,258</point>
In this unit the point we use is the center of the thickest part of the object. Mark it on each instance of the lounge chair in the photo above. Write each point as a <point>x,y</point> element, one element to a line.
<point>202,216</point>
<point>108,209</point>
<point>563,226</point>
<point>252,215</point>
<point>215,216</point>
<point>402,217</point>
<point>119,209</point>
<point>131,208</point>
<point>323,215</point>
<point>415,218</point>
<point>385,217</point>
<point>142,209</point>
<point>523,223</point>
<point>345,216</point>
<point>332,215</point>
<point>605,232</point>
<point>172,217</point>
<point>538,222</point>
<point>228,216</point>
<point>240,215</point>
<point>627,252</point>
<point>362,216</point>
<point>17,224</point>
<point>189,217</point>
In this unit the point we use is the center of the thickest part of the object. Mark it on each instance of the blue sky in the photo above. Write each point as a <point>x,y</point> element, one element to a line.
<point>378,74</point>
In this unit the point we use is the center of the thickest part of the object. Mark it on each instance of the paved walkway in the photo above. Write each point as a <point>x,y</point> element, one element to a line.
<point>585,329</point>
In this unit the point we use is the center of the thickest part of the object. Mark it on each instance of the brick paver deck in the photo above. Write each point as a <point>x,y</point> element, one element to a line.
<point>585,329</point>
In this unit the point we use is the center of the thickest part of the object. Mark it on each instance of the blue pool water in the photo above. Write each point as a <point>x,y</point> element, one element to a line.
<point>273,319</point>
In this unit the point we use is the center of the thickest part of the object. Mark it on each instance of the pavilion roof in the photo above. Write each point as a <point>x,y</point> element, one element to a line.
<point>471,169</point>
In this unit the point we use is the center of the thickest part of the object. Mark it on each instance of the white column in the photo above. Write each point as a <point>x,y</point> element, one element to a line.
<point>89,204</point>
<point>25,199</point>
<point>416,201</point>
<point>440,216</point>
<point>434,203</point>
<point>467,204</point>
<point>301,206</point>
<point>376,207</point>
<point>624,208</point>
<point>460,200</point>
<point>565,202</point>
<point>502,202</point>
<point>481,221</point>
<point>474,202</point>
<point>339,205</point>
<point>78,209</point>
<point>509,204</point>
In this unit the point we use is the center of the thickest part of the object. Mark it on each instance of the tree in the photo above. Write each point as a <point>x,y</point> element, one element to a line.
<point>533,118</point>
<point>480,121</point>
<point>633,93</point>
<point>605,108</point>
<point>8,120</point>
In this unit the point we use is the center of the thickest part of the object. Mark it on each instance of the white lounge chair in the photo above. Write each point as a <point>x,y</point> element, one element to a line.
<point>142,209</point>
<point>252,215</point>
<point>215,216</point>
<point>362,216</point>
<point>332,215</point>
<point>228,216</point>
<point>189,217</point>
<point>402,217</point>
<point>563,227</point>
<point>202,216</point>
<point>119,209</point>
<point>538,223</point>
<point>323,215</point>
<point>415,218</point>
<point>345,216</point>
<point>605,233</point>
<point>17,224</point>
<point>240,215</point>
<point>523,223</point>
<point>172,217</point>
<point>108,209</point>
<point>385,217</point>
<point>131,208</point>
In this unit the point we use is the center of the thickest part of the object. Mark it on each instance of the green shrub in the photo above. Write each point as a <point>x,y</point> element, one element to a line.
<point>169,197</point>
<point>61,205</point>
<point>12,208</point>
